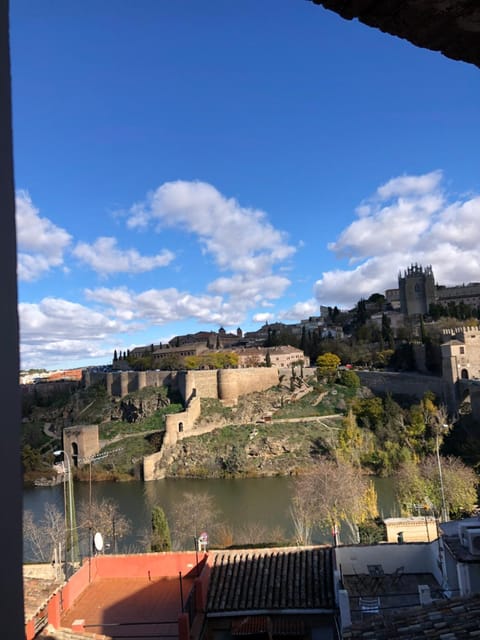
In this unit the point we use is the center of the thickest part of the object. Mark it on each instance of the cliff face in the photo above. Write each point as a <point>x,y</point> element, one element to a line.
<point>449,26</point>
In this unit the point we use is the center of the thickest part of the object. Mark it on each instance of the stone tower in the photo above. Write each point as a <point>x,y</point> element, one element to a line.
<point>417,290</point>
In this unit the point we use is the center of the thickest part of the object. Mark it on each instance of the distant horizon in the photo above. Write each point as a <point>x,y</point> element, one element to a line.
<point>226,164</point>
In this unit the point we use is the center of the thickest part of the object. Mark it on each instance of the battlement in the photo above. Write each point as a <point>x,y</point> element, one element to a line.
<point>462,333</point>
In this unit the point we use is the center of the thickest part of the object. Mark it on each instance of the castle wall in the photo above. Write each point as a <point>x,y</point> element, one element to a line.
<point>237,382</point>
<point>412,384</point>
<point>177,426</point>
<point>120,383</point>
<point>224,384</point>
<point>205,383</point>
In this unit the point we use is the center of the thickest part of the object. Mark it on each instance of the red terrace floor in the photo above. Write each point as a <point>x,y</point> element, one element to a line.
<point>127,600</point>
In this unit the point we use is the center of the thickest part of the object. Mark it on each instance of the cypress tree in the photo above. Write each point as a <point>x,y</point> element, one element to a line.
<point>161,540</point>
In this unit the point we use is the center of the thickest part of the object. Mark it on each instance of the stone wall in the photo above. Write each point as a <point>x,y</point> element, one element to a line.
<point>205,383</point>
<point>233,383</point>
<point>412,384</point>
<point>223,384</point>
<point>120,383</point>
<point>177,426</point>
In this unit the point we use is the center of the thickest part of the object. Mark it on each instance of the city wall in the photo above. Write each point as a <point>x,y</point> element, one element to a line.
<point>222,384</point>
<point>225,385</point>
<point>412,384</point>
<point>46,390</point>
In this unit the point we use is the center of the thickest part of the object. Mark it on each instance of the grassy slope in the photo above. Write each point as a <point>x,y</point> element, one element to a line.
<point>267,448</point>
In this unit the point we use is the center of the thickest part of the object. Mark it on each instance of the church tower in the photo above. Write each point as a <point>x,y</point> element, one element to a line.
<point>417,290</point>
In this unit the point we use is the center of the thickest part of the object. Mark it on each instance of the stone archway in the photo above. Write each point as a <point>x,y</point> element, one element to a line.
<point>464,374</point>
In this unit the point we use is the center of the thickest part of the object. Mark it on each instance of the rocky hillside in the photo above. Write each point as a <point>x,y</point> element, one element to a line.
<point>268,433</point>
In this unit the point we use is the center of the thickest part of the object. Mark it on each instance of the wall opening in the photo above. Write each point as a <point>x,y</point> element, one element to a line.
<point>464,374</point>
<point>180,427</point>
<point>75,453</point>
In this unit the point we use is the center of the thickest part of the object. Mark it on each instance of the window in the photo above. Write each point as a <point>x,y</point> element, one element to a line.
<point>462,350</point>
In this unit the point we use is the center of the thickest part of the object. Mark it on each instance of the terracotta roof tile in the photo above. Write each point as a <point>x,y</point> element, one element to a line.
<point>271,579</point>
<point>454,619</point>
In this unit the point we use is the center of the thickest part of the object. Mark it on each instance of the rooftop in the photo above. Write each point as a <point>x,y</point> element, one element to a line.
<point>442,620</point>
<point>113,606</point>
<point>271,579</point>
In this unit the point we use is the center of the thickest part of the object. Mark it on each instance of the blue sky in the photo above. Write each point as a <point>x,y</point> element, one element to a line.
<point>184,166</point>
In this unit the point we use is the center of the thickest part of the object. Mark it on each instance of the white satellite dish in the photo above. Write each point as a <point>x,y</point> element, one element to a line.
<point>98,541</point>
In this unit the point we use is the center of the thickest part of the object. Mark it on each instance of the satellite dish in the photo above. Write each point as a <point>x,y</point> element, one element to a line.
<point>98,541</point>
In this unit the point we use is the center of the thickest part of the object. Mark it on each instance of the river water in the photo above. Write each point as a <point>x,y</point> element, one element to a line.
<point>241,502</point>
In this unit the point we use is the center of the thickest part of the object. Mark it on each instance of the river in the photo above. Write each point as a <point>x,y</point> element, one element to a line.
<point>241,502</point>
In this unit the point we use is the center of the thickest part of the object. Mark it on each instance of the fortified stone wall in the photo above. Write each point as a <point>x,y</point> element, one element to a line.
<point>46,390</point>
<point>411,384</point>
<point>233,383</point>
<point>177,426</point>
<point>205,383</point>
<point>224,384</point>
<point>120,383</point>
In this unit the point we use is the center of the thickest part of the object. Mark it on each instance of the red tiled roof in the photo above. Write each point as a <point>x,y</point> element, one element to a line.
<point>271,579</point>
<point>454,619</point>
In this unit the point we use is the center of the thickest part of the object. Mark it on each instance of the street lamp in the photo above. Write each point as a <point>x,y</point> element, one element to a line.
<point>445,517</point>
<point>69,506</point>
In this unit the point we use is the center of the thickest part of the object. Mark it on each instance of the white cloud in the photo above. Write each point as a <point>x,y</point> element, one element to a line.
<point>394,220</point>
<point>300,311</point>
<point>245,288</point>
<point>63,320</point>
<point>41,244</point>
<point>239,238</point>
<point>55,329</point>
<point>105,258</point>
<point>408,220</point>
<point>402,186</point>
<point>161,306</point>
<point>263,317</point>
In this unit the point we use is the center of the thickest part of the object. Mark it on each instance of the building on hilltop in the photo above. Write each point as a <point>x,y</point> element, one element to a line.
<point>417,290</point>
<point>282,357</point>
<point>468,294</point>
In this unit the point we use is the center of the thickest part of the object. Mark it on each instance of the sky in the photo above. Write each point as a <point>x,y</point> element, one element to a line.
<point>185,166</point>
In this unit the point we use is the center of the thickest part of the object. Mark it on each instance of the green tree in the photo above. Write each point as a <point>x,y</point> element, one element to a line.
<point>327,365</point>
<point>369,412</point>
<point>268,359</point>
<point>349,379</point>
<point>160,540</point>
<point>387,331</point>
<point>420,484</point>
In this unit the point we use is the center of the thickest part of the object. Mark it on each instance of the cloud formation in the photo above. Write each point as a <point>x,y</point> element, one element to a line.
<point>239,239</point>
<point>408,220</point>
<point>104,257</point>
<point>54,330</point>
<point>161,306</point>
<point>41,244</point>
